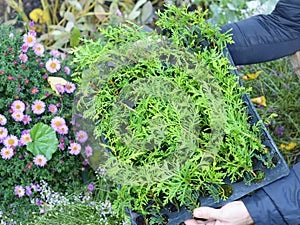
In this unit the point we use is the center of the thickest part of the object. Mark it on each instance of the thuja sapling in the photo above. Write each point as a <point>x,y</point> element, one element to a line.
<point>166,111</point>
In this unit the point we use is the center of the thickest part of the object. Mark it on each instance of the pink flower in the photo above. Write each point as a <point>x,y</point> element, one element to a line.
<point>7,153</point>
<point>74,148</point>
<point>19,191</point>
<point>38,107</point>
<point>11,141</point>
<point>27,119</point>
<point>3,133</point>
<point>3,120</point>
<point>40,160</point>
<point>34,90</point>
<point>67,70</point>
<point>31,23</point>
<point>23,58</point>
<point>38,49</point>
<point>24,48</point>
<point>29,40</point>
<point>63,129</point>
<point>70,87</point>
<point>91,187</point>
<point>81,136</point>
<point>25,138</point>
<point>57,122</point>
<point>11,35</point>
<point>18,106</point>
<point>60,88</point>
<point>18,116</point>
<point>61,146</point>
<point>53,65</point>
<point>32,32</point>
<point>88,151</point>
<point>55,53</point>
<point>52,108</point>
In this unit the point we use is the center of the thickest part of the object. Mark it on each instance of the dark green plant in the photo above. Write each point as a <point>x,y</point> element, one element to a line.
<point>166,111</point>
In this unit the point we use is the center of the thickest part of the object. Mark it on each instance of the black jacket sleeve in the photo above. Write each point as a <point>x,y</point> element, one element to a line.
<point>264,38</point>
<point>277,203</point>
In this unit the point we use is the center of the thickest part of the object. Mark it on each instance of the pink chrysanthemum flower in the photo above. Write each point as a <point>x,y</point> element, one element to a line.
<point>61,146</point>
<point>7,153</point>
<point>18,106</point>
<point>23,58</point>
<point>3,133</point>
<point>53,65</point>
<point>29,39</point>
<point>55,53</point>
<point>24,48</point>
<point>18,116</point>
<point>63,129</point>
<point>74,148</point>
<point>3,120</point>
<point>40,160</point>
<point>81,136</point>
<point>60,88</point>
<point>25,138</point>
<point>67,70</point>
<point>11,141</point>
<point>27,119</point>
<point>52,108</point>
<point>19,191</point>
<point>70,87</point>
<point>88,151</point>
<point>32,32</point>
<point>38,49</point>
<point>34,90</point>
<point>57,122</point>
<point>38,107</point>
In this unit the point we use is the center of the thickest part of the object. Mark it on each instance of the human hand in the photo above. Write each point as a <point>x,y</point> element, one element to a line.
<point>233,213</point>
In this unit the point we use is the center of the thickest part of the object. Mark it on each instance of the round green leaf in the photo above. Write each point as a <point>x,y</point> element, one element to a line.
<point>44,141</point>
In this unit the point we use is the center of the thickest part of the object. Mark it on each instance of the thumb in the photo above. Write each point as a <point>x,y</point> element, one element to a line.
<point>206,213</point>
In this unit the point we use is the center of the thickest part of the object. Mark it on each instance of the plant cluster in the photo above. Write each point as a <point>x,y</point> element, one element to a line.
<point>166,111</point>
<point>36,137</point>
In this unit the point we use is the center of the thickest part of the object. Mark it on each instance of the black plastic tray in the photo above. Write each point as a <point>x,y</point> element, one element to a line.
<point>239,189</point>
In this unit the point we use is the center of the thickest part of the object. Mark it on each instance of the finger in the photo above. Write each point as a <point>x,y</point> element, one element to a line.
<point>205,213</point>
<point>191,222</point>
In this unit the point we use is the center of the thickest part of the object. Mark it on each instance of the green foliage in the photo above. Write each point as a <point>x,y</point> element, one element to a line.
<point>168,111</point>
<point>44,140</point>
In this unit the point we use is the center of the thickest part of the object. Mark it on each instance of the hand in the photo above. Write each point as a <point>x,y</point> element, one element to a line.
<point>233,213</point>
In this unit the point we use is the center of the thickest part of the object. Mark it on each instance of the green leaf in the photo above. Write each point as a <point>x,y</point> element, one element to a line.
<point>75,37</point>
<point>44,141</point>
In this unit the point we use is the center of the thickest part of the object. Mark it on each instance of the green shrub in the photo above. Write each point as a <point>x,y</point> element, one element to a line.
<point>168,110</point>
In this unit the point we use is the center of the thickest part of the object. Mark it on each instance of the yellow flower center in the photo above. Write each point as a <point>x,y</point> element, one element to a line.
<point>29,39</point>
<point>11,142</point>
<point>57,124</point>
<point>27,138</point>
<point>38,107</point>
<point>7,152</point>
<point>53,65</point>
